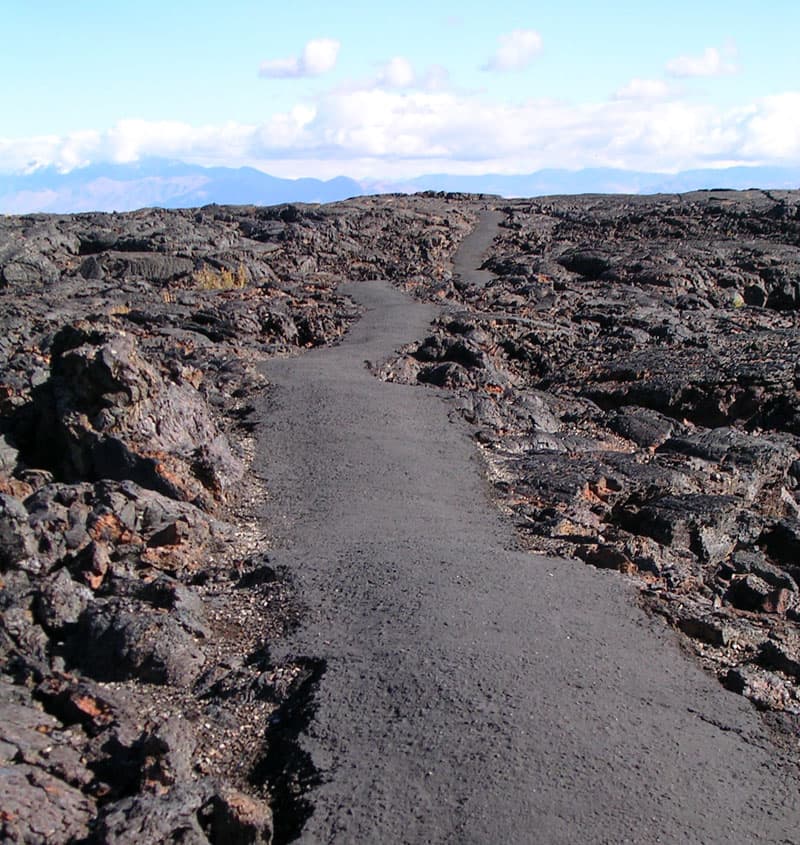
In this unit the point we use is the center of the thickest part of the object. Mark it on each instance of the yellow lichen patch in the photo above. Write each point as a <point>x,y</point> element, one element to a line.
<point>208,279</point>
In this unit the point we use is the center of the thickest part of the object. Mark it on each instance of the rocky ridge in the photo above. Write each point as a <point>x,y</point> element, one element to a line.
<point>138,697</point>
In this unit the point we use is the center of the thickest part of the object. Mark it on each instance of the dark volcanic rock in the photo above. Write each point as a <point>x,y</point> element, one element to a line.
<point>129,350</point>
<point>106,412</point>
<point>702,524</point>
<point>44,777</point>
<point>153,818</point>
<point>119,640</point>
<point>39,808</point>
<point>630,372</point>
<point>60,602</point>
<point>641,426</point>
<point>16,537</point>
<point>660,335</point>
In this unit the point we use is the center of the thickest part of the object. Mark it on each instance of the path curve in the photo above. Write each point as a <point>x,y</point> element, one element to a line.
<point>475,693</point>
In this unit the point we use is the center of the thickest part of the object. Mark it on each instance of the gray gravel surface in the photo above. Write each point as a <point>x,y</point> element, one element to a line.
<point>469,257</point>
<point>475,693</point>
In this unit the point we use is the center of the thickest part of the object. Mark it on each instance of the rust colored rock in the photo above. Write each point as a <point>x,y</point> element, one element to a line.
<point>106,527</point>
<point>171,535</point>
<point>94,561</point>
<point>74,702</point>
<point>240,819</point>
<point>749,592</point>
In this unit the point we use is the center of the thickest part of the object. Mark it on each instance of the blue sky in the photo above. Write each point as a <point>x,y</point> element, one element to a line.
<point>382,91</point>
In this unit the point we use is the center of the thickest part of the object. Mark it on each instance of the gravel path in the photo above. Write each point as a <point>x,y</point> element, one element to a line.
<point>475,693</point>
<point>467,261</point>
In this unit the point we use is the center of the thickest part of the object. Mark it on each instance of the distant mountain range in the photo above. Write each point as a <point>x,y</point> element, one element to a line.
<point>610,181</point>
<point>155,182</point>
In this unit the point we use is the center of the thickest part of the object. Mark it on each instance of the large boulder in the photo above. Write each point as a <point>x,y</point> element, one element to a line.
<point>108,412</point>
<point>119,639</point>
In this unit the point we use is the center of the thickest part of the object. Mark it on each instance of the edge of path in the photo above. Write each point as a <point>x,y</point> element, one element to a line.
<point>472,693</point>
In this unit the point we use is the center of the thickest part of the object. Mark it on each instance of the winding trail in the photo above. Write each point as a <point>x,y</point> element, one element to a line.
<point>469,257</point>
<point>475,693</point>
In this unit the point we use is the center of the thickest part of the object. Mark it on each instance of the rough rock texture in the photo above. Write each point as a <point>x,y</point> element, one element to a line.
<point>631,370</point>
<point>631,373</point>
<point>138,700</point>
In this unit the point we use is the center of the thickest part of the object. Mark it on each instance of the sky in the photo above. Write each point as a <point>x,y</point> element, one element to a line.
<point>395,90</point>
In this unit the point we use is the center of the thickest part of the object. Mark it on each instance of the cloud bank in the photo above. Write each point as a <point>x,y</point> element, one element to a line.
<point>388,131</point>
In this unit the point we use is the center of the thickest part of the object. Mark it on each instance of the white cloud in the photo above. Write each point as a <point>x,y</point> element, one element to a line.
<point>381,132</point>
<point>319,56</point>
<point>515,51</point>
<point>397,73</point>
<point>772,130</point>
<point>644,89</point>
<point>712,62</point>
<point>131,140</point>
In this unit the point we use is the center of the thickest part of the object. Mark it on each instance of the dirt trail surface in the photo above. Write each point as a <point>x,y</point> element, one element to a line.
<point>472,692</point>
<point>472,250</point>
